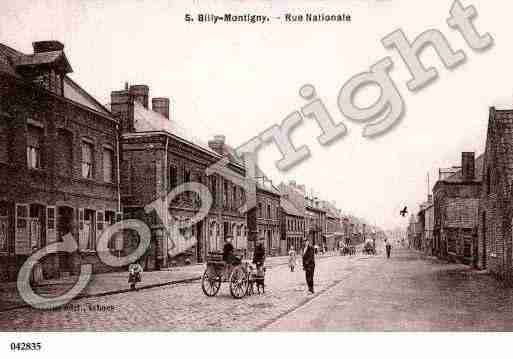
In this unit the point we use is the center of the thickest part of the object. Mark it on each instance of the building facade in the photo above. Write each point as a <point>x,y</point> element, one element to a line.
<point>158,156</point>
<point>495,208</point>
<point>58,162</point>
<point>316,222</point>
<point>456,201</point>
<point>292,226</point>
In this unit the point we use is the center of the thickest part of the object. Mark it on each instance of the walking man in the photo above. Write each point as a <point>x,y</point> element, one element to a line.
<point>388,248</point>
<point>309,265</point>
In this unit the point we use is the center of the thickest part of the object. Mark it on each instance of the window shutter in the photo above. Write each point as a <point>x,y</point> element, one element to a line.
<point>51,233</point>
<point>82,238</point>
<point>21,244</point>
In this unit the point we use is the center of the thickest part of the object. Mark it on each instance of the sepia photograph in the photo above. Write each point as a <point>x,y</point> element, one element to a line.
<point>332,171</point>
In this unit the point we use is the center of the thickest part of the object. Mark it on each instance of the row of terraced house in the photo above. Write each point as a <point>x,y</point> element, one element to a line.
<point>70,165</point>
<point>469,216</point>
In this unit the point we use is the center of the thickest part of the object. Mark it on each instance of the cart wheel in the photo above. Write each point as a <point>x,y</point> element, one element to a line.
<point>239,282</point>
<point>210,284</point>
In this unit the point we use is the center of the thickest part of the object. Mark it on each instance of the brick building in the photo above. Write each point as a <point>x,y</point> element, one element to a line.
<point>316,221</point>
<point>495,208</point>
<point>268,215</point>
<point>263,221</point>
<point>293,219</point>
<point>58,162</point>
<point>157,156</point>
<point>429,219</point>
<point>333,225</point>
<point>456,201</point>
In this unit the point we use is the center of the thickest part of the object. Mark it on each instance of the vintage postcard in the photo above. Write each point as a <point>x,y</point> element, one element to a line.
<point>254,166</point>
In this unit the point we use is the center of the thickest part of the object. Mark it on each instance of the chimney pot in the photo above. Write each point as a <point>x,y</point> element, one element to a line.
<point>217,144</point>
<point>468,165</point>
<point>140,93</point>
<point>47,46</point>
<point>160,105</point>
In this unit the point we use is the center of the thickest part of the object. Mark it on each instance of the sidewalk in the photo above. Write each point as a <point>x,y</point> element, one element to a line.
<point>114,282</point>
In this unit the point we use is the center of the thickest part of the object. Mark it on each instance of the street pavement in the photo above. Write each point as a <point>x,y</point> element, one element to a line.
<point>110,283</point>
<point>408,292</point>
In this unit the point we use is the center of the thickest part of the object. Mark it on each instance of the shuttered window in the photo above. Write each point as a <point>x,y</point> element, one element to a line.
<point>87,160</point>
<point>4,143</point>
<point>108,165</point>
<point>173,178</point>
<point>34,139</point>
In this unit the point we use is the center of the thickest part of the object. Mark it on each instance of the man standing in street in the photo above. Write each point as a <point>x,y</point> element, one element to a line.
<point>309,265</point>
<point>388,247</point>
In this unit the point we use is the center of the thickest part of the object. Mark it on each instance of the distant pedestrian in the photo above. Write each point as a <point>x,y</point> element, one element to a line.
<point>388,247</point>
<point>292,259</point>
<point>309,265</point>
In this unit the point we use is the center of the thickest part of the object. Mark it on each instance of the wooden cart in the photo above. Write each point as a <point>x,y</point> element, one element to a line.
<point>218,271</point>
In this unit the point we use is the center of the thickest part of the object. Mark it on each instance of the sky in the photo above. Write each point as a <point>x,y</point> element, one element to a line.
<point>240,79</point>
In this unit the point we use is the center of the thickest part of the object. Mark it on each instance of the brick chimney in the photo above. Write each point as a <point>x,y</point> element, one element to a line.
<point>140,93</point>
<point>122,108</point>
<point>160,105</point>
<point>47,46</point>
<point>217,144</point>
<point>468,166</point>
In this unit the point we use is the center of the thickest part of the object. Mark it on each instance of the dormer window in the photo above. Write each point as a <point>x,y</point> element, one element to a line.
<point>47,67</point>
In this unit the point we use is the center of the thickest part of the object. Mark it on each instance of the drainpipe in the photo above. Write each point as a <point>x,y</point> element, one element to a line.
<point>118,170</point>
<point>165,203</point>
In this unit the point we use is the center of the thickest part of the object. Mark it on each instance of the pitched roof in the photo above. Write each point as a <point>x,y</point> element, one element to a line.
<point>262,181</point>
<point>289,207</point>
<point>10,58</point>
<point>148,120</point>
<point>478,173</point>
<point>39,58</point>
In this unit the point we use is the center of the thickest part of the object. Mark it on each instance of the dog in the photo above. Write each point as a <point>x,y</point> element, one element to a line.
<point>257,278</point>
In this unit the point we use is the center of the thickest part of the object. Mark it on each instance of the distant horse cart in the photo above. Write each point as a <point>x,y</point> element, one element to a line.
<point>348,250</point>
<point>369,248</point>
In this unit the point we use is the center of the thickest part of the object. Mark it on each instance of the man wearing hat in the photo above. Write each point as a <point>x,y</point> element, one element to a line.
<point>309,264</point>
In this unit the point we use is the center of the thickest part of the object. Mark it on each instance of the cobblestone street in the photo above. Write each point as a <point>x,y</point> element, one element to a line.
<point>407,292</point>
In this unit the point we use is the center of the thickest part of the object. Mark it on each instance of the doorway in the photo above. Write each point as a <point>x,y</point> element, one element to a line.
<point>64,227</point>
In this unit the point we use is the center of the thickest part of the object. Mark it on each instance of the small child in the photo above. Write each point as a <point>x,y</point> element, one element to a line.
<point>134,274</point>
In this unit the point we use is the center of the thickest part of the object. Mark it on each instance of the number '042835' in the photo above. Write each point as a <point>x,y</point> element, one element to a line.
<point>26,346</point>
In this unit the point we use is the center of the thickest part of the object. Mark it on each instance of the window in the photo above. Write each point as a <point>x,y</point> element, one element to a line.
<point>186,176</point>
<point>488,181</point>
<point>87,160</point>
<point>4,142</point>
<point>64,157</point>
<point>225,192</point>
<point>34,139</point>
<point>260,214</point>
<point>109,220</point>
<point>173,177</point>
<point>108,165</point>
<point>50,217</point>
<point>87,230</point>
<point>213,190</point>
<point>4,228</point>
<point>21,216</point>
<point>234,202</point>
<point>269,211</point>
